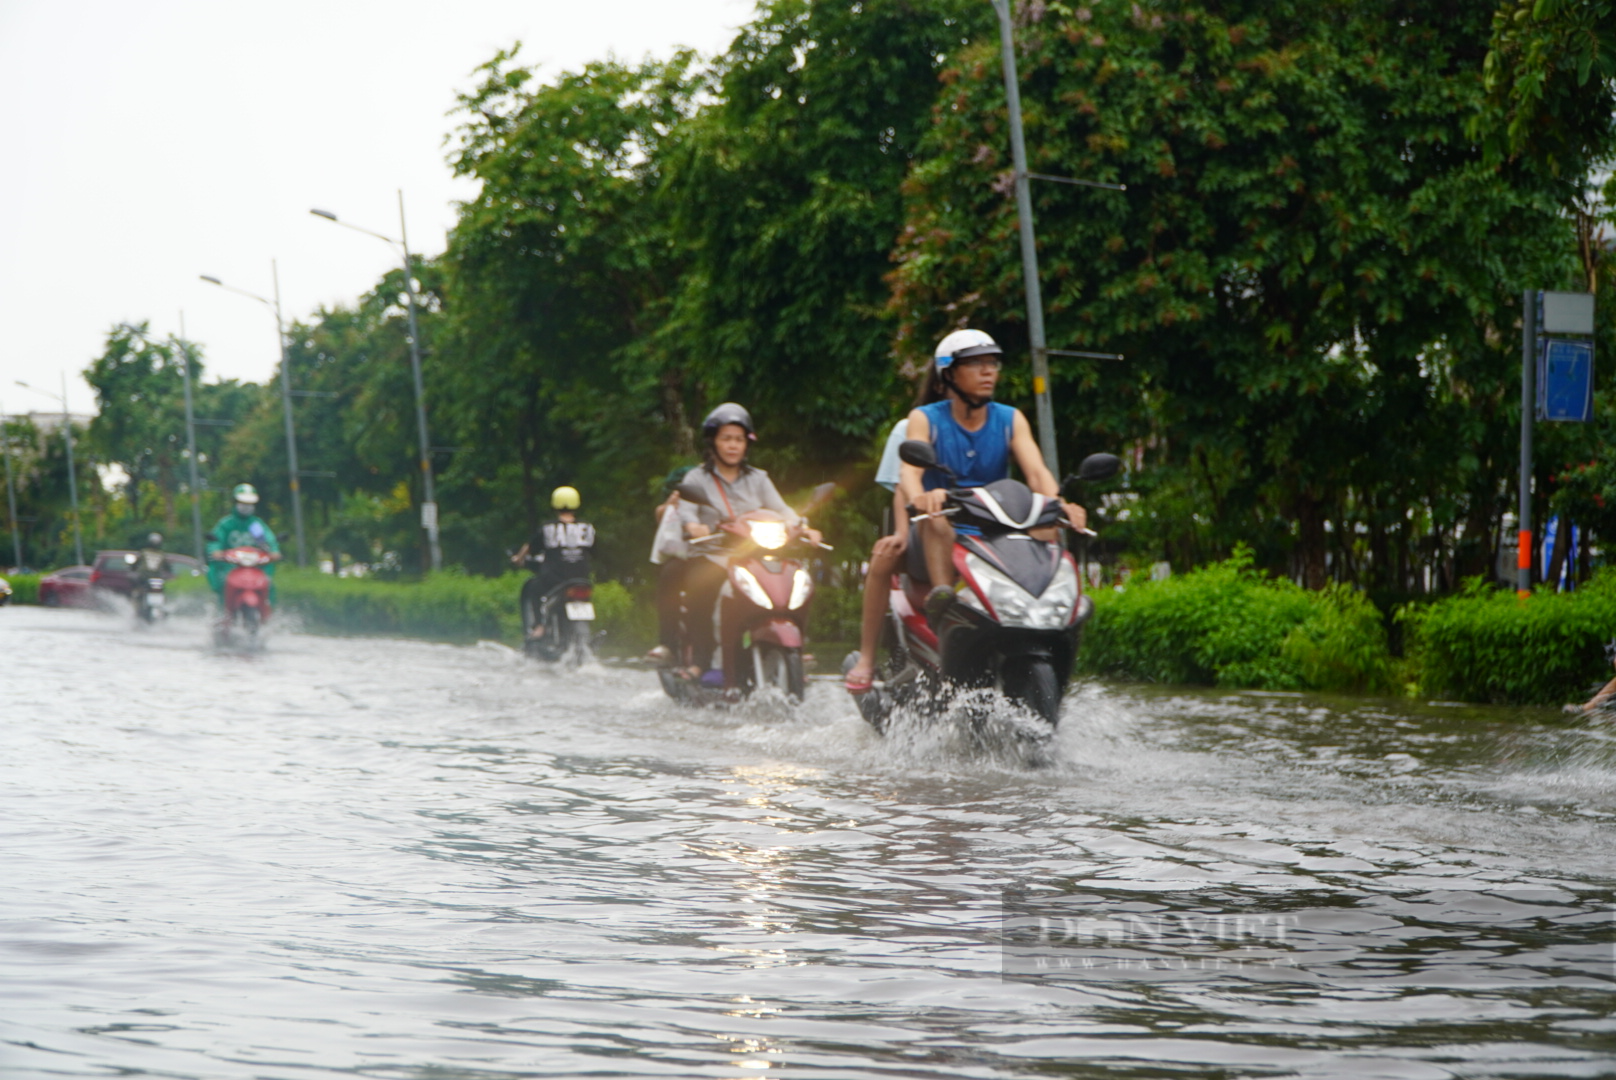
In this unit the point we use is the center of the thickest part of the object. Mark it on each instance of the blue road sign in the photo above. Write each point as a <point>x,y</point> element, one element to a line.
<point>1565,380</point>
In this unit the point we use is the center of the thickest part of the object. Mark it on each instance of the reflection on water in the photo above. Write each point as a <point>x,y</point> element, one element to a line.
<point>414,860</point>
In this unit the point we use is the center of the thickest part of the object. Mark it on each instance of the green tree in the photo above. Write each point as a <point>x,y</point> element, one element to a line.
<point>140,419</point>
<point>788,190</point>
<point>1311,273</point>
<point>1551,81</point>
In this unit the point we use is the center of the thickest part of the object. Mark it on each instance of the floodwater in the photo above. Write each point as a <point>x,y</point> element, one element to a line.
<point>410,860</point>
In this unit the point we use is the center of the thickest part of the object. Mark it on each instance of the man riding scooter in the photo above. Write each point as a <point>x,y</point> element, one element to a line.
<point>559,552</point>
<point>241,528</point>
<point>976,438</point>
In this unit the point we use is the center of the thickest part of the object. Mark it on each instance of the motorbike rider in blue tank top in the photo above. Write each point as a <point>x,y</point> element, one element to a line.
<point>975,437</point>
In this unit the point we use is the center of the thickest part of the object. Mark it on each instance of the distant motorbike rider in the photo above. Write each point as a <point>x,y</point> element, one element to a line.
<point>242,527</point>
<point>671,555</point>
<point>560,551</point>
<point>153,560</point>
<point>976,438</point>
<point>733,487</point>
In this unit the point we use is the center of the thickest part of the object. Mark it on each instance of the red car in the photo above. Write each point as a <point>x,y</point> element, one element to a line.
<point>119,572</point>
<point>67,587</point>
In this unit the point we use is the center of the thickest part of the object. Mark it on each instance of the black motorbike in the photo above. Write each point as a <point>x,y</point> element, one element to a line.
<point>1016,617</point>
<point>566,610</point>
<point>150,598</point>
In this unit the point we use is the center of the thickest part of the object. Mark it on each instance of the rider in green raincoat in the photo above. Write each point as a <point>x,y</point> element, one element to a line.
<point>241,528</point>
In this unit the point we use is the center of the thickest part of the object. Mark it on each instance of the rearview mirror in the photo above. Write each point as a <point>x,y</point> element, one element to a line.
<point>917,452</point>
<point>1099,467</point>
<point>691,493</point>
<point>819,497</point>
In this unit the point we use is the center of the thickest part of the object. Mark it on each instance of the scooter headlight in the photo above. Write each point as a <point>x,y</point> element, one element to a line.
<point>768,534</point>
<point>802,587</point>
<point>754,591</point>
<point>1017,607</point>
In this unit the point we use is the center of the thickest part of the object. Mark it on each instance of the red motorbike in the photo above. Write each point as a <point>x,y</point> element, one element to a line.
<point>763,607</point>
<point>246,594</point>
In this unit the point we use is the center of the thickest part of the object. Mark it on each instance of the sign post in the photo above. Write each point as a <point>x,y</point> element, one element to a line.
<point>1563,389</point>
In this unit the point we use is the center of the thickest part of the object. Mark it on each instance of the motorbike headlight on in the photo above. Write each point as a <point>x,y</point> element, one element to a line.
<point>802,587</point>
<point>749,585</point>
<point>1017,607</point>
<point>768,534</point>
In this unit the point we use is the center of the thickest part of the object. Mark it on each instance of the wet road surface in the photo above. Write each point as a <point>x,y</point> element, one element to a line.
<point>409,860</point>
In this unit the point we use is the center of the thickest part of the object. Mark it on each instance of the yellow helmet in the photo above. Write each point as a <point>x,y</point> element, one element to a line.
<point>565,498</point>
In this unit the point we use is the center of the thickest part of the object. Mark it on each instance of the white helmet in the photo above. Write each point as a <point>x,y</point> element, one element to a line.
<point>244,493</point>
<point>963,345</point>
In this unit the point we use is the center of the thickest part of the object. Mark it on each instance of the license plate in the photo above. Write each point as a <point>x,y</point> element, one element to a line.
<point>580,611</point>
<point>154,599</point>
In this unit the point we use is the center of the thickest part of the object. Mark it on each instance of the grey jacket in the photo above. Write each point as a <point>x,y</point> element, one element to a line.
<point>752,490</point>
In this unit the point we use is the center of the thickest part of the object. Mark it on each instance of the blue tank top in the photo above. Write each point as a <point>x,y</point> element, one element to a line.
<point>977,457</point>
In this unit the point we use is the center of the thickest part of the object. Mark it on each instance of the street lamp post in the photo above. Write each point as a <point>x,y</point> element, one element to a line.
<point>190,443</point>
<point>11,493</point>
<point>190,431</point>
<point>286,399</point>
<point>429,505</point>
<point>72,477</point>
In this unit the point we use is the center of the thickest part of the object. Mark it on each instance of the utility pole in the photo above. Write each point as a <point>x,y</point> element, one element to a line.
<point>1523,561</point>
<point>11,494</point>
<point>1029,244</point>
<point>429,498</point>
<point>286,398</point>
<point>72,478</point>
<point>190,444</point>
<point>429,506</point>
<point>286,411</point>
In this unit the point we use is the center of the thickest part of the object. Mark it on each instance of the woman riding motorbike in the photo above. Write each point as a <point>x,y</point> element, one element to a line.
<point>733,488</point>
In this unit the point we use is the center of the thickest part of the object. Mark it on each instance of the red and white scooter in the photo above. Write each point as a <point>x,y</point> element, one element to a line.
<point>246,595</point>
<point>1015,619</point>
<point>763,608</point>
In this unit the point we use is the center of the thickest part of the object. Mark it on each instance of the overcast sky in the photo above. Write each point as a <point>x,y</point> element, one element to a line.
<point>143,144</point>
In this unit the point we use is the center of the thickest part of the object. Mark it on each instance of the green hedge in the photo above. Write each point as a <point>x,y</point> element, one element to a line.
<point>447,606</point>
<point>24,587</point>
<point>1488,645</point>
<point>1224,625</point>
<point>1228,625</point>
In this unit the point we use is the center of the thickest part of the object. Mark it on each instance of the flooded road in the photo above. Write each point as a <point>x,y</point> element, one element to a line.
<point>411,860</point>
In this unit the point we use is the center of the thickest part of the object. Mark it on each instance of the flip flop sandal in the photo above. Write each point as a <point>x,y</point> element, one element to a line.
<point>859,686</point>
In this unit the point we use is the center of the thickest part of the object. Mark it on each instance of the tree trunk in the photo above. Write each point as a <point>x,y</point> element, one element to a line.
<point>1310,547</point>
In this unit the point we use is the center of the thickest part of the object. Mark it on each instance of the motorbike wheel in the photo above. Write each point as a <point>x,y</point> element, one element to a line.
<point>1031,682</point>
<point>251,621</point>
<point>782,669</point>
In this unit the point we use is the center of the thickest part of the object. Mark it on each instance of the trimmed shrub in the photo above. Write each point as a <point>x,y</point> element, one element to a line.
<point>24,588</point>
<point>1228,625</point>
<point>1488,645</point>
<point>448,606</point>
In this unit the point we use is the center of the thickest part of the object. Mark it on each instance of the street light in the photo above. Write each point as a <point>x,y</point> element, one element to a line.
<point>190,432</point>
<point>72,477</point>
<point>286,398</point>
<point>190,444</point>
<point>429,505</point>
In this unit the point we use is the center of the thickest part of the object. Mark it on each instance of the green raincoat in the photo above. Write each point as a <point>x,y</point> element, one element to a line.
<point>235,531</point>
